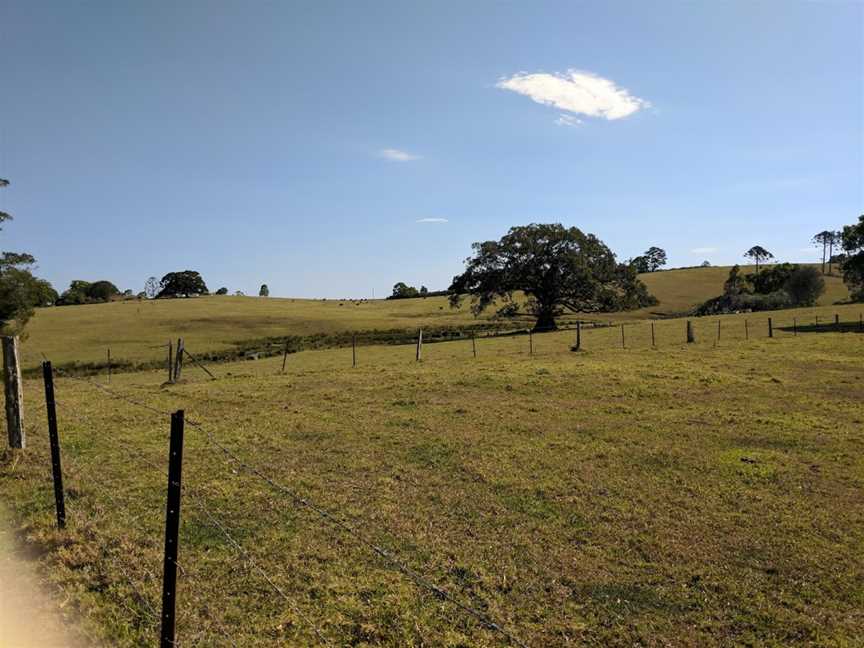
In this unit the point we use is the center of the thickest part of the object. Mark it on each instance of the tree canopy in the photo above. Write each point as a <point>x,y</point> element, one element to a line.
<point>653,259</point>
<point>401,290</point>
<point>558,269</point>
<point>758,254</point>
<point>182,284</point>
<point>264,291</point>
<point>853,265</point>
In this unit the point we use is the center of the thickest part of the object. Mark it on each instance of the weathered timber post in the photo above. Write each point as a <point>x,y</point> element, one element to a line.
<point>474,344</point>
<point>530,342</point>
<point>178,359</point>
<point>109,364</point>
<point>837,321</point>
<point>54,438</point>
<point>746,330</point>
<point>691,338</point>
<point>172,531</point>
<point>419,345</point>
<point>770,328</point>
<point>170,361</point>
<point>718,331</point>
<point>794,326</point>
<point>653,343</point>
<point>285,356</point>
<point>623,346</point>
<point>578,345</point>
<point>353,350</point>
<point>14,393</point>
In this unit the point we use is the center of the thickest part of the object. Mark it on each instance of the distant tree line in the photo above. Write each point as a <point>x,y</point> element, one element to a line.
<point>403,291</point>
<point>784,285</point>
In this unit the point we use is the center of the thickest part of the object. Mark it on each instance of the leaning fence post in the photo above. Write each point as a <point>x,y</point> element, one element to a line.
<point>770,328</point>
<point>419,345</point>
<point>178,359</point>
<point>14,393</point>
<point>172,529</point>
<point>56,471</point>
<point>691,338</point>
<point>170,361</point>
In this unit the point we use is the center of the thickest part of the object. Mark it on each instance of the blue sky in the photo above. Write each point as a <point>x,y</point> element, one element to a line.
<point>299,144</point>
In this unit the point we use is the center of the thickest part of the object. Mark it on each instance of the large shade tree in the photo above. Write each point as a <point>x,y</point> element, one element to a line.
<point>558,269</point>
<point>182,284</point>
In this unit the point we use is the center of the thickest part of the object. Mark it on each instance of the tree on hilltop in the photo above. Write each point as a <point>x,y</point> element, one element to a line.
<point>182,284</point>
<point>758,254</point>
<point>264,291</point>
<point>557,268</point>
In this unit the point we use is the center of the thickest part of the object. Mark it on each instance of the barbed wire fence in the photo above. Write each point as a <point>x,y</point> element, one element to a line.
<point>131,552</point>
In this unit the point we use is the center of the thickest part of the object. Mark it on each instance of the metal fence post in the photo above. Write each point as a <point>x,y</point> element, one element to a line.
<point>56,470</point>
<point>172,529</point>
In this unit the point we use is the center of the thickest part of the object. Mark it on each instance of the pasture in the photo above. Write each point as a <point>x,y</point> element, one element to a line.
<point>133,329</point>
<point>707,494</point>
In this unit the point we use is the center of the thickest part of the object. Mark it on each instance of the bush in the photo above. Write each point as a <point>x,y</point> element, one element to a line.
<point>805,285</point>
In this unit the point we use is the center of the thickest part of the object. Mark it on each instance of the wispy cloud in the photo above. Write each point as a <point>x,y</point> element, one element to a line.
<point>576,92</point>
<point>432,220</point>
<point>703,250</point>
<point>397,156</point>
<point>567,120</point>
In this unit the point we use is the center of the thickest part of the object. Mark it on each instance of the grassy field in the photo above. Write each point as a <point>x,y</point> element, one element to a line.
<point>217,324</point>
<point>688,495</point>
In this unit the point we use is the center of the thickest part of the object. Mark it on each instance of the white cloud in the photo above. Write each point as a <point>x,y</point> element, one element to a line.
<point>567,120</point>
<point>397,156</point>
<point>703,250</point>
<point>576,92</point>
<point>432,220</point>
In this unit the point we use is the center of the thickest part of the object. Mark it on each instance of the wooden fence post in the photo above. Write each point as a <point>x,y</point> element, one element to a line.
<point>861,321</point>
<point>109,364</point>
<point>178,359</point>
<point>770,328</point>
<point>530,342</point>
<point>653,343</point>
<point>419,345</point>
<point>794,326</point>
<point>746,329</point>
<point>353,350</point>
<point>623,346</point>
<point>172,529</point>
<point>54,438</point>
<point>474,344</point>
<point>691,338</point>
<point>718,331</point>
<point>14,393</point>
<point>837,321</point>
<point>578,345</point>
<point>170,361</point>
<point>285,356</point>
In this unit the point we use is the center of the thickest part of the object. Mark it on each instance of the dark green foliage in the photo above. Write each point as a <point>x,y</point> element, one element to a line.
<point>853,266</point>
<point>557,268</point>
<point>640,264</point>
<point>84,292</point>
<point>653,259</point>
<point>20,292</point>
<point>758,254</point>
<point>402,290</point>
<point>182,284</point>
<point>783,286</point>
<point>804,286</point>
<point>222,291</point>
<point>263,292</point>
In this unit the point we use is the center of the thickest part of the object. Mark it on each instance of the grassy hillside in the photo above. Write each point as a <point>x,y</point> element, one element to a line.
<point>675,496</point>
<point>214,324</point>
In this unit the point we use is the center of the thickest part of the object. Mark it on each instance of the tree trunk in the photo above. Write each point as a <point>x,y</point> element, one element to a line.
<point>823,257</point>
<point>830,254</point>
<point>545,320</point>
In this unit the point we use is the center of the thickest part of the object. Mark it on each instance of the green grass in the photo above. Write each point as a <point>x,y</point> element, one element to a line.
<point>689,495</point>
<point>219,325</point>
